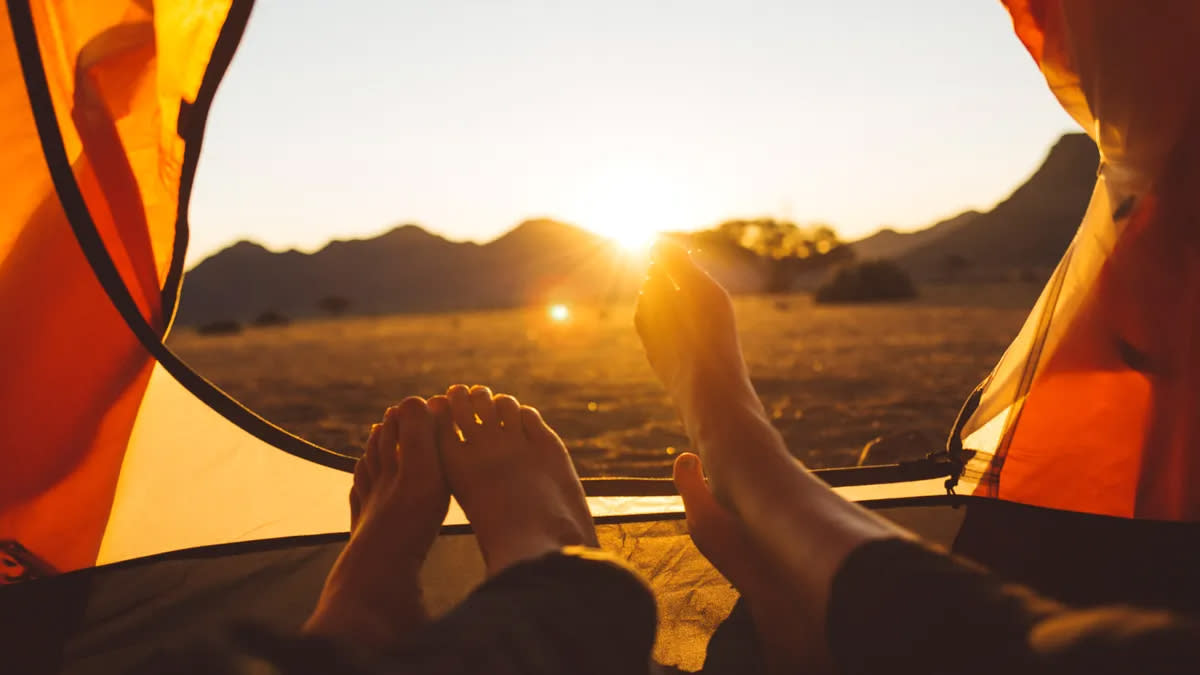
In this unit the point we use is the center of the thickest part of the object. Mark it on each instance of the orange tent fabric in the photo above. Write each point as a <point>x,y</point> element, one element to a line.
<point>105,88</point>
<point>1096,406</point>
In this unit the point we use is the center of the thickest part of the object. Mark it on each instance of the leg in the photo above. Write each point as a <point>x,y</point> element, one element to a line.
<point>800,530</point>
<point>397,505</point>
<point>782,630</point>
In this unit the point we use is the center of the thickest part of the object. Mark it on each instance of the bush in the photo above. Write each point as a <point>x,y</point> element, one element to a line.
<point>333,305</point>
<point>223,327</point>
<point>271,318</point>
<point>867,281</point>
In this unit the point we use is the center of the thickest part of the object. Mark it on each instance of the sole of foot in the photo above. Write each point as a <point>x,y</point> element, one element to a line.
<point>372,595</point>
<point>512,476</point>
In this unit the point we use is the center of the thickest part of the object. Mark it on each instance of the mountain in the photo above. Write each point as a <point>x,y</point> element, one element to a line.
<point>407,270</point>
<point>1028,231</point>
<point>888,243</point>
<point>411,270</point>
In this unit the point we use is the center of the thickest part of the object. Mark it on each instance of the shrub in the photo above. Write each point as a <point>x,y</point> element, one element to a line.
<point>223,327</point>
<point>333,305</point>
<point>867,281</point>
<point>954,267</point>
<point>271,318</point>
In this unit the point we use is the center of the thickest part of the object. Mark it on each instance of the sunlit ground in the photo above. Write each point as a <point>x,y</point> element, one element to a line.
<point>831,378</point>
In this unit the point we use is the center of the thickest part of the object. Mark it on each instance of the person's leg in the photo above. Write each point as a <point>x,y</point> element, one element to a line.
<point>549,591</point>
<point>552,602</point>
<point>798,527</point>
<point>372,597</point>
<point>766,590</point>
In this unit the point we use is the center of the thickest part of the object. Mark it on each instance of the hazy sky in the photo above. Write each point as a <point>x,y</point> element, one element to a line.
<point>340,120</point>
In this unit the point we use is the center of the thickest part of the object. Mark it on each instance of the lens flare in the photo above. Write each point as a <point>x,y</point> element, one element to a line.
<point>635,240</point>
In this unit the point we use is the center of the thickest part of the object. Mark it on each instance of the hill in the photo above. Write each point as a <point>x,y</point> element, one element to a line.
<point>1027,232</point>
<point>888,243</point>
<point>411,270</point>
<point>404,270</point>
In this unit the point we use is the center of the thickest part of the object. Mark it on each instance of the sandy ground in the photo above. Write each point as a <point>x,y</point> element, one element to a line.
<point>832,378</point>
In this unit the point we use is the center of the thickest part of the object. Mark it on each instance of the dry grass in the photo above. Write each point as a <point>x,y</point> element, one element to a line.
<point>832,378</point>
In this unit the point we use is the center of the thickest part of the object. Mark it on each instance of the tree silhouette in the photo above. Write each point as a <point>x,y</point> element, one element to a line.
<point>271,318</point>
<point>789,249</point>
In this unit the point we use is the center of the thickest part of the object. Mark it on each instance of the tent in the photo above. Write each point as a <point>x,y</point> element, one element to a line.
<point>140,506</point>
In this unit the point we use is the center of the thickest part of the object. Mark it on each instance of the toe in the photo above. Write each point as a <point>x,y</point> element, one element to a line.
<point>716,532</point>
<point>659,287</point>
<point>481,403</point>
<point>462,410</point>
<point>678,263</point>
<point>418,451</point>
<point>412,410</point>
<point>444,431</point>
<point>439,406</point>
<point>361,487</point>
<point>702,509</point>
<point>508,411</point>
<point>368,465</point>
<point>355,507</point>
<point>537,431</point>
<point>656,303</point>
<point>388,437</point>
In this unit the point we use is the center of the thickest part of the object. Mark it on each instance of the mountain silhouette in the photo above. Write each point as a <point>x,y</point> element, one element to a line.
<point>409,269</point>
<point>888,243</point>
<point>1027,232</point>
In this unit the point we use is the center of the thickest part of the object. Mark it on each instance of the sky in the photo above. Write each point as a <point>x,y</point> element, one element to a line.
<point>343,120</point>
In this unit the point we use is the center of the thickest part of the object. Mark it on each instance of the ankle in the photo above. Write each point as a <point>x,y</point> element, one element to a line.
<point>745,456</point>
<point>707,401</point>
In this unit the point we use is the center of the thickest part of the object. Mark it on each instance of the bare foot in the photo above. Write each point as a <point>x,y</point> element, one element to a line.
<point>765,511</point>
<point>685,319</point>
<point>512,476</point>
<point>789,643</point>
<point>399,500</point>
<point>686,323</point>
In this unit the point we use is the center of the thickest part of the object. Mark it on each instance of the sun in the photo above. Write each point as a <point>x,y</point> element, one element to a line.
<point>631,204</point>
<point>633,239</point>
<point>558,312</point>
<point>634,228</point>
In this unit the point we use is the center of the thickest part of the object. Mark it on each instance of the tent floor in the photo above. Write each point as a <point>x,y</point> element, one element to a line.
<point>114,618</point>
<point>1085,559</point>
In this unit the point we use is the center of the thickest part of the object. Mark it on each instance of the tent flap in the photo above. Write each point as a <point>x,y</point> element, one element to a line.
<point>91,253</point>
<point>1096,405</point>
